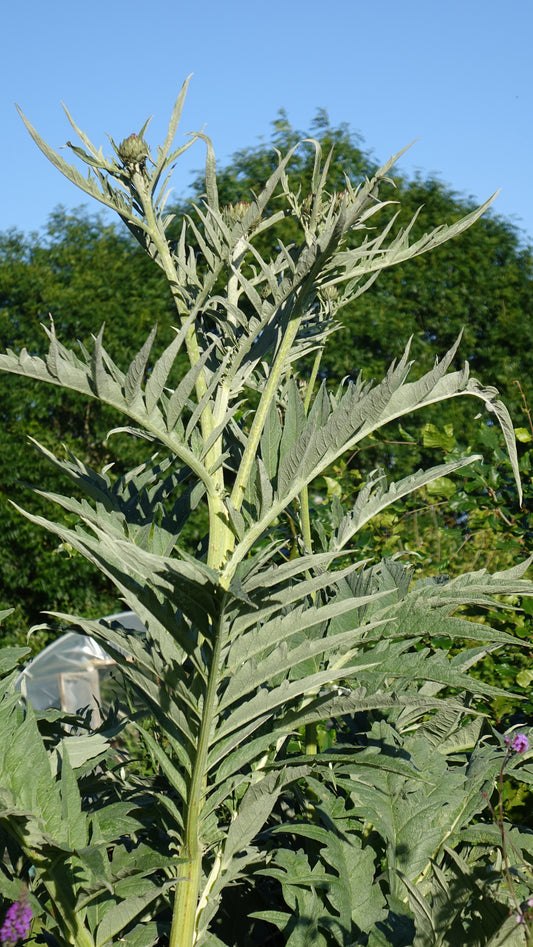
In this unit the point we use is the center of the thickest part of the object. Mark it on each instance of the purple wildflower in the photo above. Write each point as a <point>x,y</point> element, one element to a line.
<point>17,921</point>
<point>520,743</point>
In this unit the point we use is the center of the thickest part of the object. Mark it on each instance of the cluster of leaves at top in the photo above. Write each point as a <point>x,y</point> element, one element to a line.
<point>320,762</point>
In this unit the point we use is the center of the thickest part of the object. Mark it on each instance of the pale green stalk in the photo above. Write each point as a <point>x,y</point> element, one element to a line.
<point>183,931</point>
<point>304,495</point>
<point>312,379</point>
<point>161,244</point>
<point>221,539</point>
<point>219,533</point>
<point>233,282</point>
<point>305,519</point>
<point>311,742</point>
<point>271,388</point>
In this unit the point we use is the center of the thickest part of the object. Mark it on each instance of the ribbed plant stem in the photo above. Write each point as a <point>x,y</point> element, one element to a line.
<point>219,533</point>
<point>311,741</point>
<point>183,931</point>
<point>304,495</point>
<point>254,437</point>
<point>160,241</point>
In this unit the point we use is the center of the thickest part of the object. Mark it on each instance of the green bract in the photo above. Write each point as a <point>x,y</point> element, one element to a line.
<point>270,628</point>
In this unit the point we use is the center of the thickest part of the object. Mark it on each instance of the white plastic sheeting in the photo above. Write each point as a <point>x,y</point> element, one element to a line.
<point>66,674</point>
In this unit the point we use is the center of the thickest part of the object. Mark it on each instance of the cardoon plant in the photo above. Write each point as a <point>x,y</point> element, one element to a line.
<point>272,624</point>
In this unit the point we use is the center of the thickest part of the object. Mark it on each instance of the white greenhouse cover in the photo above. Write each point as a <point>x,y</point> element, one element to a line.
<point>66,674</point>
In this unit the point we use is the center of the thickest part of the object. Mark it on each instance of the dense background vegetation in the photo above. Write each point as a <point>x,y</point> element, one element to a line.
<point>83,271</point>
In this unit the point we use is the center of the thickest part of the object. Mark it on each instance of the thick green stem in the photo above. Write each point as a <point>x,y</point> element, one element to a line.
<point>311,740</point>
<point>304,495</point>
<point>312,379</point>
<point>311,744</point>
<point>305,519</point>
<point>220,536</point>
<point>254,437</point>
<point>183,931</point>
<point>233,282</point>
<point>160,242</point>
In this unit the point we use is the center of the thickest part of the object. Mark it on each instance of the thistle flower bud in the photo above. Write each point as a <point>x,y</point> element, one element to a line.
<point>133,151</point>
<point>240,209</point>
<point>341,196</point>
<point>329,295</point>
<point>237,211</point>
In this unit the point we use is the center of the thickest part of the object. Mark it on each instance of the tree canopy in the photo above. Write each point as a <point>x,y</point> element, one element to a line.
<point>84,272</point>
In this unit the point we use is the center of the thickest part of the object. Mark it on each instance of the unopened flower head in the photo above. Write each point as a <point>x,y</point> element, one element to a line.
<point>133,151</point>
<point>235,212</point>
<point>17,922</point>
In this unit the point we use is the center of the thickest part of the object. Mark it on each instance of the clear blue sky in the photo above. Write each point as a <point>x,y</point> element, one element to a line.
<point>455,74</point>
